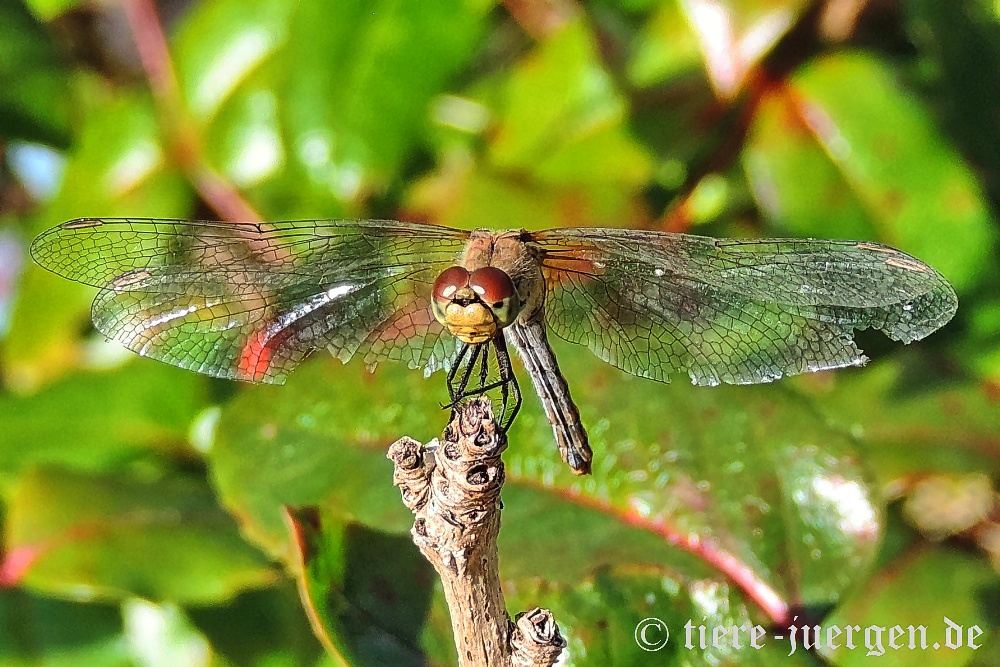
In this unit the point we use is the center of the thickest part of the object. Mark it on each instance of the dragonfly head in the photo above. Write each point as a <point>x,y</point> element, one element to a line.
<point>474,306</point>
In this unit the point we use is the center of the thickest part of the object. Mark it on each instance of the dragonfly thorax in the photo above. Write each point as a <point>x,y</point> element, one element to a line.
<point>473,306</point>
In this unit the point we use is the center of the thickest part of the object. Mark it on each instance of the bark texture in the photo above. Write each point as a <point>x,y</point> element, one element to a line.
<point>453,489</point>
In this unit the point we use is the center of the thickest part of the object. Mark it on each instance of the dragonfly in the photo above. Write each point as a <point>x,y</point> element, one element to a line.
<point>250,301</point>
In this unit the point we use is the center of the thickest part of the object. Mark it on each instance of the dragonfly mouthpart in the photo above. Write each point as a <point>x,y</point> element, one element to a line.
<point>473,323</point>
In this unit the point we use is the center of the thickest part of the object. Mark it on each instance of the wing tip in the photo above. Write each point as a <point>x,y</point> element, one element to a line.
<point>941,304</point>
<point>37,248</point>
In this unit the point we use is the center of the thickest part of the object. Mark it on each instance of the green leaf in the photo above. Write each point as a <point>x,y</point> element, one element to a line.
<point>265,626</point>
<point>111,536</point>
<point>119,165</point>
<point>726,503</point>
<point>34,84</point>
<point>745,483</point>
<point>912,422</point>
<point>959,56</point>
<point>327,446</point>
<point>479,197</point>
<point>117,168</point>
<point>562,119</point>
<point>49,9</point>
<point>35,629</point>
<point>319,103</point>
<point>369,594</point>
<point>665,49</point>
<point>220,45</point>
<point>748,473</point>
<point>842,144</point>
<point>923,586</point>
<point>606,617</point>
<point>105,420</point>
<point>560,152</point>
<point>161,634</point>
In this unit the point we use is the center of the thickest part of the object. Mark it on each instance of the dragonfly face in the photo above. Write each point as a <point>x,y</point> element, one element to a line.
<point>474,306</point>
<point>250,301</point>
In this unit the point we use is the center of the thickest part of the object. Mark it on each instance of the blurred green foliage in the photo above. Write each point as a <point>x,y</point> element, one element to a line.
<point>141,506</point>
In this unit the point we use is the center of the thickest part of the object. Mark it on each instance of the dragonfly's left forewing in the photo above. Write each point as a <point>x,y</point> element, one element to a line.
<point>658,304</point>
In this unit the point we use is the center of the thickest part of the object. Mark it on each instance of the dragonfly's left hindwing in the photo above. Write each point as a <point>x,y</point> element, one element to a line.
<point>719,310</point>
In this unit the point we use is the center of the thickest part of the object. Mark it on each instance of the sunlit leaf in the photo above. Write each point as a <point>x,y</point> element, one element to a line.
<point>104,420</point>
<point>743,482</point>
<point>735,35</point>
<point>724,505</point>
<point>561,153</point>
<point>112,536</point>
<point>563,118</point>
<point>666,48</point>
<point>47,9</point>
<point>842,144</point>
<point>317,102</point>
<point>118,167</point>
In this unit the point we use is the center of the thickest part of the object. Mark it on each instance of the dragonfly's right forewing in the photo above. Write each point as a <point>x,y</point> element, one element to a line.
<point>249,301</point>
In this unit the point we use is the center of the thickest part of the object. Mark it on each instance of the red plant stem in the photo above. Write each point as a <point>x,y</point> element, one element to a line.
<point>740,573</point>
<point>185,142</point>
<point>541,19</point>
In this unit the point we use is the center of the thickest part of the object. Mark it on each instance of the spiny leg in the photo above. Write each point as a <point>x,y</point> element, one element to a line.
<point>453,371</point>
<point>508,382</point>
<point>482,388</point>
<point>459,390</point>
<point>484,369</point>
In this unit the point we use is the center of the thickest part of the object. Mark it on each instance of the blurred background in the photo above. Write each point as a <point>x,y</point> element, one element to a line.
<point>141,506</point>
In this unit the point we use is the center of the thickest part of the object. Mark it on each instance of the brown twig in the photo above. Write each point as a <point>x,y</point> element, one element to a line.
<point>736,117</point>
<point>541,18</point>
<point>453,489</point>
<point>185,142</point>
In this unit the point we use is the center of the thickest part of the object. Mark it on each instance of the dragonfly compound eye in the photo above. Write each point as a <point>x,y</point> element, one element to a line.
<point>446,287</point>
<point>495,289</point>
<point>450,281</point>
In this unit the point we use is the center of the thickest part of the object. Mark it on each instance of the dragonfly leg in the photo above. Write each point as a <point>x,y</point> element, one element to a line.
<point>453,371</point>
<point>480,355</point>
<point>478,391</point>
<point>508,380</point>
<point>484,369</point>
<point>459,390</point>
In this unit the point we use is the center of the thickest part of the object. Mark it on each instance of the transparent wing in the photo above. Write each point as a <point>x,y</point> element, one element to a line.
<point>656,304</point>
<point>249,301</point>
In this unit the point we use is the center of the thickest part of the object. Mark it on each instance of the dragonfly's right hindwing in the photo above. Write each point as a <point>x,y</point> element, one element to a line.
<point>250,301</point>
